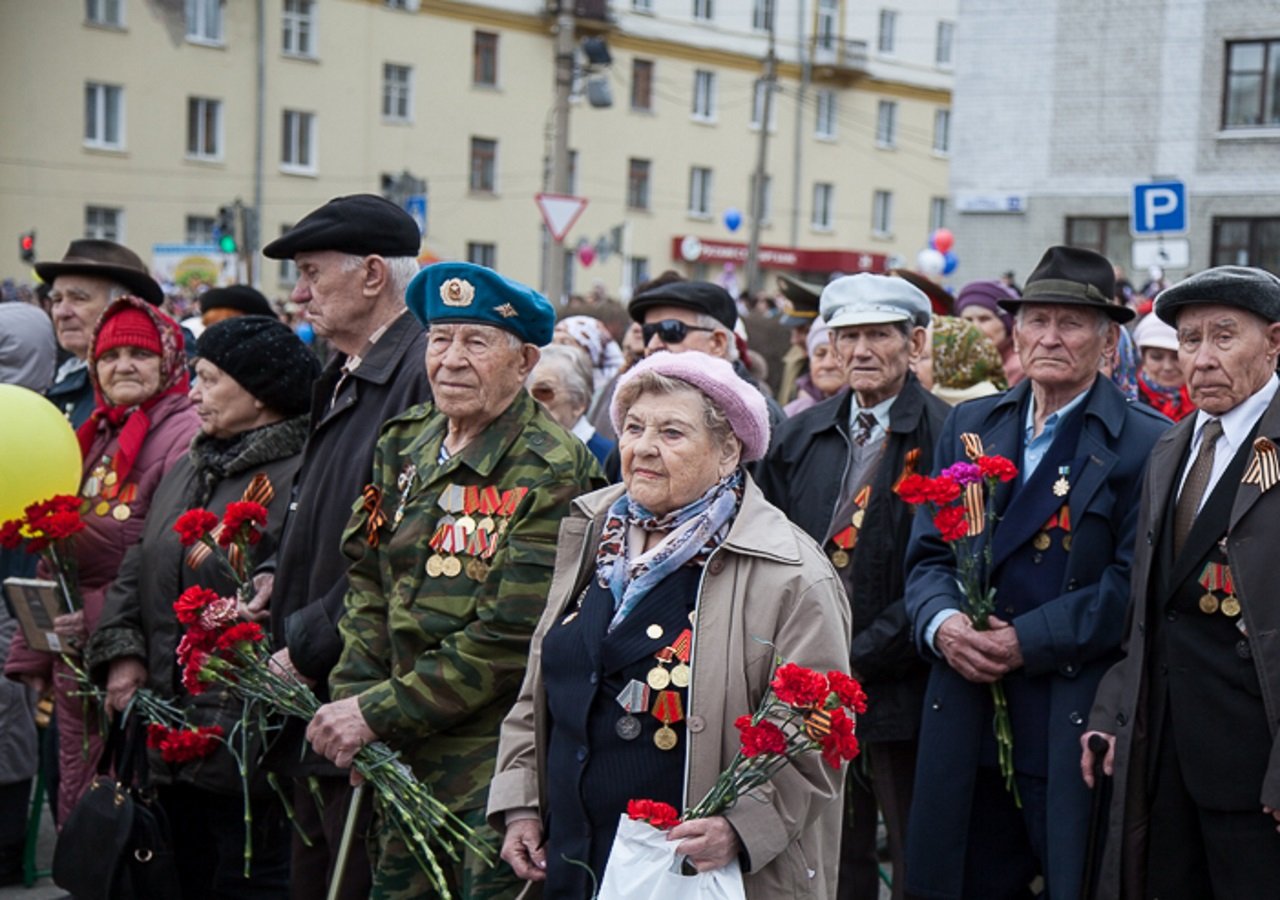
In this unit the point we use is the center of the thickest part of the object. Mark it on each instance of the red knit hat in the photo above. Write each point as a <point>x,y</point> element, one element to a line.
<point>128,328</point>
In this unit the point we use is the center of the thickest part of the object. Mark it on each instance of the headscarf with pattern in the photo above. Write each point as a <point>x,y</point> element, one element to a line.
<point>592,335</point>
<point>963,356</point>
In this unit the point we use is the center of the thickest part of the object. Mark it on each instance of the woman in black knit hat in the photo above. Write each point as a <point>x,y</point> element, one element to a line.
<point>252,394</point>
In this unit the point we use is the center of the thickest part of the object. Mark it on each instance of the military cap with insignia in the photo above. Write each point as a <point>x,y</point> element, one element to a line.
<point>799,301</point>
<point>359,224</point>
<point>464,292</point>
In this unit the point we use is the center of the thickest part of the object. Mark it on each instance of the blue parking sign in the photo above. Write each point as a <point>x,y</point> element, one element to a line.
<point>1159,207</point>
<point>416,206</point>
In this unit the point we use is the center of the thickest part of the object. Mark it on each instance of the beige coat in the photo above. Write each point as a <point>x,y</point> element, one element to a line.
<point>767,584</point>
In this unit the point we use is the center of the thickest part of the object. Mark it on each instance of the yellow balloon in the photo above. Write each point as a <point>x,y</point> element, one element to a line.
<point>39,453</point>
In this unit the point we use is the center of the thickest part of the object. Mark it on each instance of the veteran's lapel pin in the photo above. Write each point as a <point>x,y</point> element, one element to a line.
<point>1062,486</point>
<point>1264,468</point>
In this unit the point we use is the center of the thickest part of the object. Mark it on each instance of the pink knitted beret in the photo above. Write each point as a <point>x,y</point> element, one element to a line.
<point>741,403</point>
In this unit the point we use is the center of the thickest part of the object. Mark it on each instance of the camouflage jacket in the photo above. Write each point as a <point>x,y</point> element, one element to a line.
<point>437,660</point>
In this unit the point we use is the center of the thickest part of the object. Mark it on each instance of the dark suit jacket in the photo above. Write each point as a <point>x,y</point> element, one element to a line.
<point>1121,704</point>
<point>1069,638</point>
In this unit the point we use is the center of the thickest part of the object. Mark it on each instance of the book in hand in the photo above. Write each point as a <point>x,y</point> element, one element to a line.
<point>35,603</point>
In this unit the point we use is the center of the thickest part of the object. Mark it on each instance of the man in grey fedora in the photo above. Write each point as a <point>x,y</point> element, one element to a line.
<point>89,276</point>
<point>1190,715</point>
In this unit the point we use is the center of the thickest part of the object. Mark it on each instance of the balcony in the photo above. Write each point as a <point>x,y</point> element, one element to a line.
<point>592,10</point>
<point>841,53</point>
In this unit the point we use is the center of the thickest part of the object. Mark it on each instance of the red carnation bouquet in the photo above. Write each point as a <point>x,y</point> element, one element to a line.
<point>802,711</point>
<point>49,529</point>
<point>227,540</point>
<point>959,500</point>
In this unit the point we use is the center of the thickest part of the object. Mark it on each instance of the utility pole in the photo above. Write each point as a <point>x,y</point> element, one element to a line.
<point>253,217</point>
<point>805,45</point>
<point>553,283</point>
<point>758,182</point>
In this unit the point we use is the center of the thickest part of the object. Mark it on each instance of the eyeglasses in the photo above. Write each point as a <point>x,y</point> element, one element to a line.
<point>672,331</point>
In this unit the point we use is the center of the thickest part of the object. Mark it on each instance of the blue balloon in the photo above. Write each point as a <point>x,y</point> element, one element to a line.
<point>732,219</point>
<point>949,263</point>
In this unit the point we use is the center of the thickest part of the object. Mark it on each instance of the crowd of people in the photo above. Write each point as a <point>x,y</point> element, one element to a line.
<point>550,556</point>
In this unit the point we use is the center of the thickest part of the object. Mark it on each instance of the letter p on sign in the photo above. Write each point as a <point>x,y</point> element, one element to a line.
<point>1159,207</point>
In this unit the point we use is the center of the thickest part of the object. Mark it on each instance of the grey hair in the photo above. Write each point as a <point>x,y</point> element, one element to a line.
<point>1102,322</point>
<point>116,291</point>
<point>571,363</point>
<point>706,320</point>
<point>713,417</point>
<point>400,269</point>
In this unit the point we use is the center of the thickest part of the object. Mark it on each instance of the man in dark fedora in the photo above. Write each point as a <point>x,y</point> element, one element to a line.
<point>89,276</point>
<point>1059,557</point>
<point>355,256</point>
<point>1190,714</point>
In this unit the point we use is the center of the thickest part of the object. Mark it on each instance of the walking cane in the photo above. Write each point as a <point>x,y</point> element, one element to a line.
<point>1097,814</point>
<point>344,846</point>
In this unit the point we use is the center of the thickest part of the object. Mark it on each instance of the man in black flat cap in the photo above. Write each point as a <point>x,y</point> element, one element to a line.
<point>89,276</point>
<point>1190,714</point>
<point>1058,558</point>
<point>221,303</point>
<point>355,256</point>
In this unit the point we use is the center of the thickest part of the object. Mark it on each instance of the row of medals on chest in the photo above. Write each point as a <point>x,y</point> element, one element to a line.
<point>1216,579</point>
<point>101,487</point>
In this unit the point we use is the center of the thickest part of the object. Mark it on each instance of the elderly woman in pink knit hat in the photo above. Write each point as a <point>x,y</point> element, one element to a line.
<point>674,594</point>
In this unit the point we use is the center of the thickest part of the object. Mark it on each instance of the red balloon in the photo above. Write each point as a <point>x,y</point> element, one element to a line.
<point>943,240</point>
<point>586,255</point>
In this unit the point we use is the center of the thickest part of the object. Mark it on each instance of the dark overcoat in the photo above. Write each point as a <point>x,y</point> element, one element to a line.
<point>1070,637</point>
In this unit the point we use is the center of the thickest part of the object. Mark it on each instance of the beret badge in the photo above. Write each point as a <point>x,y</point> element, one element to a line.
<point>506,310</point>
<point>457,292</point>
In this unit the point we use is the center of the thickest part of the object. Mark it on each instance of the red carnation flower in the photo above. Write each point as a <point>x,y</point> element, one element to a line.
<point>63,503</point>
<point>180,745</point>
<point>913,489</point>
<point>191,672</point>
<point>11,534</point>
<point>799,687</point>
<point>63,524</point>
<point>943,490</point>
<point>239,633</point>
<point>951,523</point>
<point>848,690</point>
<point>193,525</point>
<point>193,600</point>
<point>244,515</point>
<point>997,467</point>
<point>763,737</point>
<point>839,744</point>
<point>658,814</point>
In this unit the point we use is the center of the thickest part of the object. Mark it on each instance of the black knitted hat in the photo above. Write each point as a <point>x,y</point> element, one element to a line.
<point>265,358</point>
<point>239,297</point>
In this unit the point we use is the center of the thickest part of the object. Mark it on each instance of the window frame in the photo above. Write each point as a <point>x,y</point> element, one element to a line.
<point>101,116</point>
<point>640,85</point>
<point>758,95</point>
<point>704,96</point>
<point>1269,72</point>
<point>483,154</point>
<point>114,231</point>
<point>295,140</point>
<point>1252,245</point>
<point>882,213</point>
<point>198,14</point>
<point>198,229</point>
<point>764,15</point>
<point>823,214</point>
<point>886,124</point>
<point>484,58</point>
<point>483,253</point>
<point>942,131</point>
<point>766,206</point>
<point>826,30</point>
<point>639,183</point>
<point>294,26</point>
<point>946,60</point>
<point>1110,229</point>
<point>701,183</point>
<point>937,213</point>
<point>704,10</point>
<point>826,111</point>
<point>397,96</point>
<point>887,32</point>
<point>203,104</point>
<point>94,13</point>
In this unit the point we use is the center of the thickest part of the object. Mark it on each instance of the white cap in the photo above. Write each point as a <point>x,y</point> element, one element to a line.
<point>1151,332</point>
<point>866,299</point>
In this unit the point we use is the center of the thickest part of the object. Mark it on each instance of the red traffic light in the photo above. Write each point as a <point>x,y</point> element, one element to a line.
<point>27,246</point>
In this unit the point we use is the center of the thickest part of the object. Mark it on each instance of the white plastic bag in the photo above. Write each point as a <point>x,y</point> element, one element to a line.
<point>643,865</point>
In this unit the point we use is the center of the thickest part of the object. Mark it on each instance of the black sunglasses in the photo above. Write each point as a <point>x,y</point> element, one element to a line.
<point>672,331</point>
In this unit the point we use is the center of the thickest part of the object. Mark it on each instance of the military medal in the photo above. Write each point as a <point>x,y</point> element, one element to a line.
<point>1216,577</point>
<point>681,647</point>
<point>121,513</point>
<point>658,677</point>
<point>858,517</point>
<point>1041,541</point>
<point>667,709</point>
<point>490,501</point>
<point>102,508</point>
<point>1231,606</point>
<point>404,483</point>
<point>653,632</point>
<point>847,538</point>
<point>476,570</point>
<point>507,507</point>
<point>634,696</point>
<point>1062,486</point>
<point>1208,604</point>
<point>435,562</point>
<point>110,478</point>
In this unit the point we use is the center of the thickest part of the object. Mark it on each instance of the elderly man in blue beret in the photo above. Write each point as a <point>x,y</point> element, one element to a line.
<point>452,551</point>
<point>1190,714</point>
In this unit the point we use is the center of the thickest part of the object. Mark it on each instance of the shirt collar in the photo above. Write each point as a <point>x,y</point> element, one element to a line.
<point>880,411</point>
<point>1239,421</point>
<point>1055,417</point>
<point>583,430</point>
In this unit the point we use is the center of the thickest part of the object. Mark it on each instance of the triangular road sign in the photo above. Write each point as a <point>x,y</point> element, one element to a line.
<point>560,211</point>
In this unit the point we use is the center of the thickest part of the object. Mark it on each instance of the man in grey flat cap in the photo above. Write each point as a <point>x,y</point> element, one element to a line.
<point>355,256</point>
<point>832,469</point>
<point>1190,714</point>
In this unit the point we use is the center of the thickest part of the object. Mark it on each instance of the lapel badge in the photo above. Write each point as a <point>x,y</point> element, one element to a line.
<point>1062,486</point>
<point>1264,468</point>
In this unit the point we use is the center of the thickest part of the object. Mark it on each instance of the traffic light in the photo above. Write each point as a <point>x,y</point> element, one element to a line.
<point>225,229</point>
<point>27,246</point>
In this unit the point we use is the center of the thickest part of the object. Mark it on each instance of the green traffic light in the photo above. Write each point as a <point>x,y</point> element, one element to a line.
<point>227,244</point>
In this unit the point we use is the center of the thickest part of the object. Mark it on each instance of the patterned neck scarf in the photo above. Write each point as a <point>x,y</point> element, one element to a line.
<point>693,532</point>
<point>1174,402</point>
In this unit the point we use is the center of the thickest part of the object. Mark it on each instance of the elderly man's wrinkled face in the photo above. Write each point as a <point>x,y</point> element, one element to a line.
<point>475,370</point>
<point>1226,355</point>
<point>677,339</point>
<point>1062,345</point>
<point>78,302</point>
<point>669,456</point>
<point>330,293</point>
<point>547,386</point>
<point>876,359</point>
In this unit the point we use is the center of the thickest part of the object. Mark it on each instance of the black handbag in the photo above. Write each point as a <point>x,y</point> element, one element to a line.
<point>116,845</point>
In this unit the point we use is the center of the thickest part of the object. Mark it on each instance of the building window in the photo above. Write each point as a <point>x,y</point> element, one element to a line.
<point>287,272</point>
<point>484,59</point>
<point>882,214</point>
<point>406,5</point>
<point>298,28</point>
<point>638,171</point>
<point>204,128</point>
<point>766,201</point>
<point>937,213</point>
<point>104,115</point>
<point>642,6</point>
<point>200,229</point>
<point>1247,242</point>
<point>1107,236</point>
<point>824,195</point>
<point>762,15</point>
<point>704,95</point>
<point>639,269</point>
<point>484,165</point>
<point>886,123</point>
<point>204,21</point>
<point>482,254</point>
<point>825,126</point>
<point>397,93</point>
<point>827,30</point>
<point>104,12</point>
<point>942,131</point>
<point>642,84</point>
<point>1252,84</point>
<point>699,191</point>
<point>886,39</point>
<point>758,99</point>
<point>704,10</point>
<point>298,141</point>
<point>942,53</point>
<point>104,223</point>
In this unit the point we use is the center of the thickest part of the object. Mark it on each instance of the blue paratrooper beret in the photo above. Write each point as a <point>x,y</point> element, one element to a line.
<point>465,292</point>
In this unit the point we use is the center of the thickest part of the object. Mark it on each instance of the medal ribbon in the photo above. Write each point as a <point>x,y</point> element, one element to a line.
<point>259,490</point>
<point>908,467</point>
<point>1060,519</point>
<point>377,518</point>
<point>1264,468</point>
<point>975,508</point>
<point>490,500</point>
<point>450,499</point>
<point>634,696</point>
<point>817,724</point>
<point>972,445</point>
<point>668,708</point>
<point>682,645</point>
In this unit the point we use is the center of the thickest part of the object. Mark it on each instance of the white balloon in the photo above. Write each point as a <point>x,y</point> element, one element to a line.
<point>930,262</point>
